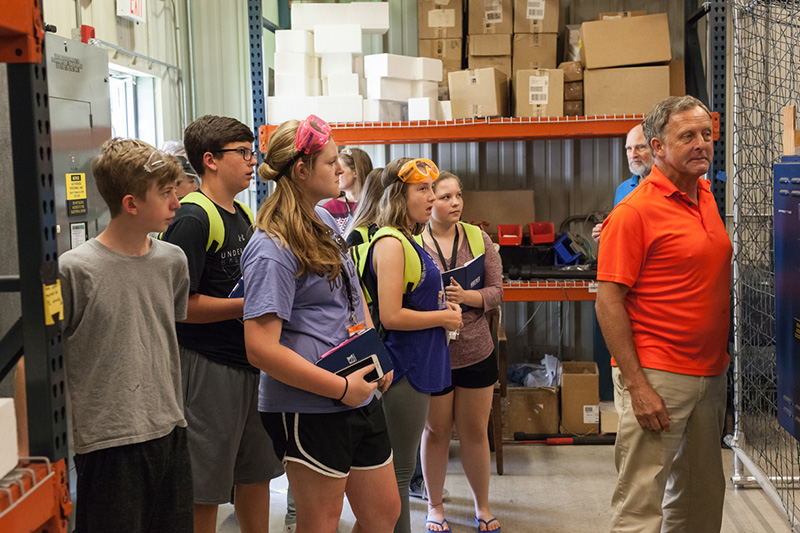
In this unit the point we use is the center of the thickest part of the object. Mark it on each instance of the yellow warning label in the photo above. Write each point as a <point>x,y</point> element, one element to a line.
<point>53,304</point>
<point>797,329</point>
<point>76,186</point>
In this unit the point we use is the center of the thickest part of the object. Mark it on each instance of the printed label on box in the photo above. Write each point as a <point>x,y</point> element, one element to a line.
<point>494,11</point>
<point>441,18</point>
<point>476,110</point>
<point>537,90</point>
<point>591,414</point>
<point>441,2</point>
<point>535,10</point>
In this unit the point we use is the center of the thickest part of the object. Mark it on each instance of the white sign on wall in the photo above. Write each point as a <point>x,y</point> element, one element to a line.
<point>131,10</point>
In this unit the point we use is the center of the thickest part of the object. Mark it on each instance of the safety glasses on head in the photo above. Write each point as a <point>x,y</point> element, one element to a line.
<point>156,160</point>
<point>311,137</point>
<point>418,170</point>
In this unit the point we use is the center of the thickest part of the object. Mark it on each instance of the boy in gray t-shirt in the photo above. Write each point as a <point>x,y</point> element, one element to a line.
<point>123,292</point>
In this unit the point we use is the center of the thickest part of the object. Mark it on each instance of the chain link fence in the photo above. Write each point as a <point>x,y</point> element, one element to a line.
<point>766,59</point>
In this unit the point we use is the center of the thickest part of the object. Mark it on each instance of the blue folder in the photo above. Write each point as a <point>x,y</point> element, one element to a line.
<point>356,352</point>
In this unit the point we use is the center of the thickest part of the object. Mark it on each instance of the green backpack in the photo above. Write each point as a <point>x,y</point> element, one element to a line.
<point>216,230</point>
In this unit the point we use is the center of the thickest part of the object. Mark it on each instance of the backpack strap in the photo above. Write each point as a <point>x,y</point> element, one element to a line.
<point>216,228</point>
<point>412,271</point>
<point>474,238</point>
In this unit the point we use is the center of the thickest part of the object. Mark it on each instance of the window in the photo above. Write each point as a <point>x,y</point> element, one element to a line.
<point>133,105</point>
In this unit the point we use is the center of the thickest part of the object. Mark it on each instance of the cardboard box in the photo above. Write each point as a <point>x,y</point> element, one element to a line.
<point>539,93</point>
<point>490,16</point>
<point>535,16</point>
<point>447,50</point>
<point>677,78</point>
<point>9,454</point>
<point>489,45</point>
<point>501,63</point>
<point>478,93</point>
<point>440,19</point>
<point>573,91</point>
<point>626,41</point>
<point>580,398</point>
<point>609,15</point>
<point>573,71</point>
<point>530,410</point>
<point>534,50</point>
<point>573,109</point>
<point>498,207</point>
<point>624,90</point>
<point>609,417</point>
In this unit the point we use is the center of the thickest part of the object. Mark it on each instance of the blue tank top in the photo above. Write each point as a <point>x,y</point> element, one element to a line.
<point>422,355</point>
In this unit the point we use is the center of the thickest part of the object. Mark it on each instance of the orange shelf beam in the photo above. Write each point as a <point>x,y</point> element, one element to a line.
<point>550,291</point>
<point>35,497</point>
<point>480,130</point>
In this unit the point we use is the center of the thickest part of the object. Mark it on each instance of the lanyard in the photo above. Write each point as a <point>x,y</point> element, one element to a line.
<point>348,288</point>
<point>439,250</point>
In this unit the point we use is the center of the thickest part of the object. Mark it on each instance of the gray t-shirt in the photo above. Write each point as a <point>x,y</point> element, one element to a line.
<point>120,347</point>
<point>315,313</point>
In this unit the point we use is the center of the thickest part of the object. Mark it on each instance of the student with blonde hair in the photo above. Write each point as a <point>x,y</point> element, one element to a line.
<point>356,166</point>
<point>410,303</point>
<point>302,298</point>
<point>364,223</point>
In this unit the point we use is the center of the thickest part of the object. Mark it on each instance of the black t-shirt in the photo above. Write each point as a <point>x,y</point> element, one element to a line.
<point>213,274</point>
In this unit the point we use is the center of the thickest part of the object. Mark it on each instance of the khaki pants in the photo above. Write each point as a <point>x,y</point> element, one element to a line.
<point>674,477</point>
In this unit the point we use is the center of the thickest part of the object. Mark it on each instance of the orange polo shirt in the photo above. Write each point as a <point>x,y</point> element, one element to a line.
<point>676,258</point>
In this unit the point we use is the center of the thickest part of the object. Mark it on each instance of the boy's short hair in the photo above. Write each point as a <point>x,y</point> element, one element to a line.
<point>210,133</point>
<point>122,169</point>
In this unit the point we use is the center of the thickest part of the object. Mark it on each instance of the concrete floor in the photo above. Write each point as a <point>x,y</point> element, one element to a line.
<point>547,489</point>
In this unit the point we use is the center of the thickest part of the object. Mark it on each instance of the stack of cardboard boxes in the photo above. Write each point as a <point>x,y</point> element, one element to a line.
<point>573,87</point>
<point>626,62</point>
<point>538,85</point>
<point>440,35</point>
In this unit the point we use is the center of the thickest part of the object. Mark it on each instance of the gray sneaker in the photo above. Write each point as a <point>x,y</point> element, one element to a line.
<point>418,490</point>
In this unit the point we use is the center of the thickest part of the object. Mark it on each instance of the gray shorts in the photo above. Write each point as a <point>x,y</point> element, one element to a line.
<point>227,442</point>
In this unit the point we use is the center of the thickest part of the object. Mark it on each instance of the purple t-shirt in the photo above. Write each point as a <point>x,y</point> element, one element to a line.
<point>315,312</point>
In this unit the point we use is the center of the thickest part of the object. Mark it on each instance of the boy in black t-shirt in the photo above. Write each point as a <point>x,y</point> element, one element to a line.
<point>229,447</point>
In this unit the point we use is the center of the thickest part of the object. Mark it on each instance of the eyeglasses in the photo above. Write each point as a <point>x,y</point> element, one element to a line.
<point>156,160</point>
<point>418,170</point>
<point>246,154</point>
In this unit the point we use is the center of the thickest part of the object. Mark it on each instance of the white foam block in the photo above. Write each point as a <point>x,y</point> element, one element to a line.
<point>282,108</point>
<point>337,38</point>
<point>385,111</point>
<point>9,453</point>
<point>423,109</point>
<point>373,17</point>
<point>339,108</point>
<point>296,85</point>
<point>390,66</point>
<point>388,89</point>
<point>298,41</point>
<point>341,85</point>
<point>445,110</point>
<point>424,89</point>
<point>429,69</point>
<point>344,63</point>
<point>297,63</point>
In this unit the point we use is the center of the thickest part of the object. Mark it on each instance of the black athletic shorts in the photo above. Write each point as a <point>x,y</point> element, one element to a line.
<point>332,443</point>
<point>481,374</point>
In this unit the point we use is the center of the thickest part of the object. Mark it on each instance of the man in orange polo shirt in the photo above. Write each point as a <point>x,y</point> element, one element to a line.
<point>663,305</point>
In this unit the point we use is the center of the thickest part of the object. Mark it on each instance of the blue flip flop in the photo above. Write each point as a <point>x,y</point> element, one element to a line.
<point>486,523</point>
<point>441,524</point>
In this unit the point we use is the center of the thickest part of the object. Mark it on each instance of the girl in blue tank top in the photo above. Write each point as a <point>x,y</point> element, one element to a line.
<point>413,312</point>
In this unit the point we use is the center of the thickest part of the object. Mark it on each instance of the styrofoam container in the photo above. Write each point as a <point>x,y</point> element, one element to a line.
<point>373,17</point>
<point>341,63</point>
<point>390,66</point>
<point>445,110</point>
<point>283,108</point>
<point>339,108</point>
<point>389,89</point>
<point>424,89</point>
<point>337,38</point>
<point>429,69</point>
<point>9,453</point>
<point>341,85</point>
<point>296,85</point>
<point>423,109</point>
<point>297,63</point>
<point>297,41</point>
<point>385,111</point>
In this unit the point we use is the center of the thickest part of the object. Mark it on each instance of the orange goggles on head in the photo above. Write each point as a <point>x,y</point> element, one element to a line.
<point>418,170</point>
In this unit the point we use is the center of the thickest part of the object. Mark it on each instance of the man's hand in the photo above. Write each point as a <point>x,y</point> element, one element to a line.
<point>649,408</point>
<point>596,232</point>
